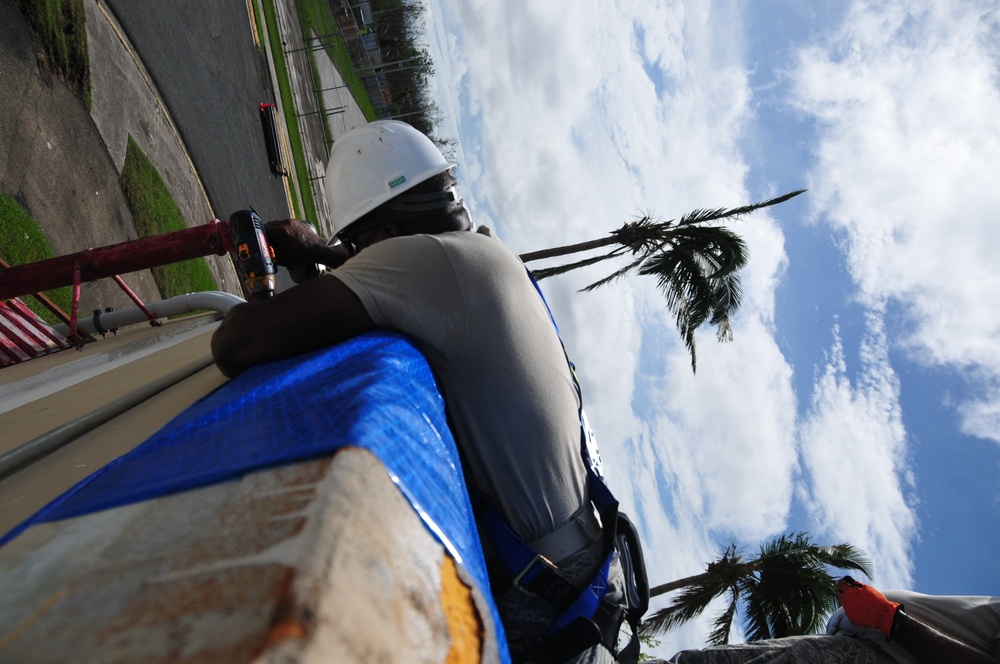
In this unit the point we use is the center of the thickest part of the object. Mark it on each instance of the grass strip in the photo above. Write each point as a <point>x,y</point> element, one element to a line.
<point>61,25</point>
<point>25,243</point>
<point>255,14</point>
<point>154,212</point>
<point>308,207</point>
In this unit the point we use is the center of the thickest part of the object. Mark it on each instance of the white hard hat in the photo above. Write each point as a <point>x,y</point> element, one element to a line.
<point>375,162</point>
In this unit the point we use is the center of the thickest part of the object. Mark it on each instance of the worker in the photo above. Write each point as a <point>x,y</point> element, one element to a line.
<point>916,628</point>
<point>408,260</point>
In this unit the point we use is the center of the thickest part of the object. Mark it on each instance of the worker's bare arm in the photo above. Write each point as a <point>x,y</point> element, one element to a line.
<point>311,315</point>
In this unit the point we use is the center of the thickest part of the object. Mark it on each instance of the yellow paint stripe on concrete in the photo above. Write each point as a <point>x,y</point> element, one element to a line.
<point>252,17</point>
<point>464,622</point>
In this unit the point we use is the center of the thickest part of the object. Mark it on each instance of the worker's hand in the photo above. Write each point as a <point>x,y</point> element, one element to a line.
<point>296,243</point>
<point>867,607</point>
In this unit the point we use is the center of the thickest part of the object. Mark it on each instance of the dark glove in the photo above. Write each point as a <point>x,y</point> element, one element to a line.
<point>294,242</point>
<point>867,607</point>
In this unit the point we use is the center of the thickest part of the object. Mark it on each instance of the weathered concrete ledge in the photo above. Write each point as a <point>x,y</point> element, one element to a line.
<point>322,560</point>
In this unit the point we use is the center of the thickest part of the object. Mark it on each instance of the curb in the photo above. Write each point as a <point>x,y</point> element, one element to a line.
<point>141,69</point>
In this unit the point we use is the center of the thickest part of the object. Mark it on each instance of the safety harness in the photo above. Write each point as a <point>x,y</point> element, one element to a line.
<point>586,616</point>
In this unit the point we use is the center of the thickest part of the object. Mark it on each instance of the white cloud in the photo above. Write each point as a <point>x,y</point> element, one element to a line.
<point>580,131</point>
<point>853,447</point>
<point>981,417</point>
<point>907,98</point>
<point>735,445</point>
<point>449,67</point>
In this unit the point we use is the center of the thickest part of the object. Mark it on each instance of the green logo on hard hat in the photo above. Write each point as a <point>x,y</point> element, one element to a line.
<point>398,181</point>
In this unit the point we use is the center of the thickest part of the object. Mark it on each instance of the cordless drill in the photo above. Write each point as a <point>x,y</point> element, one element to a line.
<point>254,257</point>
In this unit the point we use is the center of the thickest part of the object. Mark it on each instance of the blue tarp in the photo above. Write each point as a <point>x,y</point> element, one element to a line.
<point>375,392</point>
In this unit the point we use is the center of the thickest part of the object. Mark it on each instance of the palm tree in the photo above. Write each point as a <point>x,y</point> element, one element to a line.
<point>695,262</point>
<point>784,591</point>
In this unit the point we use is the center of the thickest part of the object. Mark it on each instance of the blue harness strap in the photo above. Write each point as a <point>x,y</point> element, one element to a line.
<point>586,603</point>
<point>526,569</point>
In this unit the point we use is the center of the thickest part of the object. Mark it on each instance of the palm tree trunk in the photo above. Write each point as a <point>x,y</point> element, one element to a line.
<point>671,586</point>
<point>564,250</point>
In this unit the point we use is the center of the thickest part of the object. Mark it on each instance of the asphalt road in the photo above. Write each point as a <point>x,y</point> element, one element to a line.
<point>202,58</point>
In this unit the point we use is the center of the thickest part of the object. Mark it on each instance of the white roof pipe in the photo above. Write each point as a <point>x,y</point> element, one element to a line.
<point>102,322</point>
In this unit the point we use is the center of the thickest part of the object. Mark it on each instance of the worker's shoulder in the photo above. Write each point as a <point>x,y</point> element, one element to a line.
<point>454,242</point>
<point>462,250</point>
<point>478,247</point>
<point>482,239</point>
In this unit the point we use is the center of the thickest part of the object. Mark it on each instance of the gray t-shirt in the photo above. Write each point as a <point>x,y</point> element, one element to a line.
<point>468,304</point>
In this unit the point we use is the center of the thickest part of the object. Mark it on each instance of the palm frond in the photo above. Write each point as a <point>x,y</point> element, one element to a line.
<point>641,234</point>
<point>545,272</point>
<point>794,599</point>
<point>793,593</point>
<point>704,216</point>
<point>847,557</point>
<point>756,620</point>
<point>721,578</point>
<point>692,295</point>
<point>695,261</point>
<point>728,297</point>
<point>723,625</point>
<point>785,590</point>
<point>614,276</point>
<point>732,255</point>
<point>689,604</point>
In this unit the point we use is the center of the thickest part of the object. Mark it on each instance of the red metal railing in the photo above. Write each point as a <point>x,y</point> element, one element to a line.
<point>121,258</point>
<point>24,336</point>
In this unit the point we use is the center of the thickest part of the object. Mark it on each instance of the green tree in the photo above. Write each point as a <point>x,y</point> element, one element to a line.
<point>649,642</point>
<point>695,261</point>
<point>783,591</point>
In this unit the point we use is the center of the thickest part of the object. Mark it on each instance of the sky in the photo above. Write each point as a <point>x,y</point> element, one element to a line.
<point>860,398</point>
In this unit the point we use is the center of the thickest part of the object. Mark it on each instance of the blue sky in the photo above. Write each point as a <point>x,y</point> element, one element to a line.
<point>860,400</point>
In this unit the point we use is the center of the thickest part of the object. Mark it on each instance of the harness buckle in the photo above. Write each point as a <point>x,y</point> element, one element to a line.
<point>538,558</point>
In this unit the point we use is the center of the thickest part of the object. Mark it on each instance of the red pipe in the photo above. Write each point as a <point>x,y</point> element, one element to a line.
<point>74,311</point>
<point>135,298</point>
<point>131,256</point>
